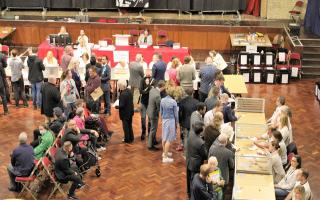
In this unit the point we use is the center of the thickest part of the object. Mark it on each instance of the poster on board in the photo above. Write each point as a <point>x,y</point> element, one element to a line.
<point>132,3</point>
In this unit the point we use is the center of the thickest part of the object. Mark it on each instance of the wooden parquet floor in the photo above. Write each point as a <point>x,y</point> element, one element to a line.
<point>131,172</point>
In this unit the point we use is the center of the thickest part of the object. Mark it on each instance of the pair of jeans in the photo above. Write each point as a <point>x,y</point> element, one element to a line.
<point>18,90</point>
<point>127,129</point>
<point>36,94</point>
<point>281,193</point>
<point>106,95</point>
<point>153,131</point>
<point>143,111</point>
<point>4,99</point>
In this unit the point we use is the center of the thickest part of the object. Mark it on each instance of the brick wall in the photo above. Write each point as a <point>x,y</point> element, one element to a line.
<point>279,9</point>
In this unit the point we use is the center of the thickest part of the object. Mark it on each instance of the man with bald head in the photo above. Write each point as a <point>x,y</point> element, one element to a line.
<point>224,156</point>
<point>51,98</point>
<point>21,162</point>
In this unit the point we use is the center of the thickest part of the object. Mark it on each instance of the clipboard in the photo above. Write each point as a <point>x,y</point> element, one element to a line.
<point>96,94</point>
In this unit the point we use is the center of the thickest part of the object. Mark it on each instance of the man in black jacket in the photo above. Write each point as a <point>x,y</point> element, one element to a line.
<point>202,187</point>
<point>126,110</point>
<point>3,89</point>
<point>63,170</point>
<point>186,107</point>
<point>145,87</point>
<point>35,77</point>
<point>51,98</point>
<point>196,153</point>
<point>159,67</point>
<point>105,84</point>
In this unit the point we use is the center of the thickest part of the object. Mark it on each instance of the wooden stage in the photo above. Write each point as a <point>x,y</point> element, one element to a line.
<point>131,172</point>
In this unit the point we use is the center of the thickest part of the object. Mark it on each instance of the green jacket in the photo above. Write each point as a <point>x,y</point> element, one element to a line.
<point>46,141</point>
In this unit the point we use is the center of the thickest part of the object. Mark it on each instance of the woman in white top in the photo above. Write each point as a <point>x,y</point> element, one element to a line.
<point>284,129</point>
<point>82,48</point>
<point>277,136</point>
<point>63,30</point>
<point>208,117</point>
<point>218,60</point>
<point>84,60</point>
<point>145,38</point>
<point>50,60</point>
<point>285,186</point>
<point>276,164</point>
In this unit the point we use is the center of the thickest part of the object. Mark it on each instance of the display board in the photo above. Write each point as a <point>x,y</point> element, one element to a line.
<point>132,3</point>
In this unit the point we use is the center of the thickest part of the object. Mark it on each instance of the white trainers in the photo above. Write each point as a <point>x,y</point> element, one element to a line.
<point>167,160</point>
<point>101,149</point>
<point>99,158</point>
<point>169,154</point>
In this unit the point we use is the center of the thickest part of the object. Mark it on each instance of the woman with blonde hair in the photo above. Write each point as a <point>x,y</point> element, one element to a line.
<point>208,117</point>
<point>50,60</point>
<point>74,67</point>
<point>284,129</point>
<point>212,98</point>
<point>213,130</point>
<point>169,114</point>
<point>172,72</point>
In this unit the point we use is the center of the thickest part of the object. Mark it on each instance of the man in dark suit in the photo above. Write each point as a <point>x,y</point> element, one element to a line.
<point>3,89</point>
<point>63,170</point>
<point>136,74</point>
<point>159,67</point>
<point>224,156</point>
<point>186,107</point>
<point>153,112</point>
<point>219,82</point>
<point>202,187</point>
<point>51,98</point>
<point>126,110</point>
<point>105,84</point>
<point>196,153</point>
<point>207,74</point>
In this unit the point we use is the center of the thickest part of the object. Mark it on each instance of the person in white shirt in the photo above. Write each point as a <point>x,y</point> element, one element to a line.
<point>83,37</point>
<point>285,186</point>
<point>50,60</point>
<point>218,60</point>
<point>281,101</point>
<point>82,48</point>
<point>284,129</point>
<point>208,117</point>
<point>84,60</point>
<point>302,180</point>
<point>276,164</point>
<point>145,38</point>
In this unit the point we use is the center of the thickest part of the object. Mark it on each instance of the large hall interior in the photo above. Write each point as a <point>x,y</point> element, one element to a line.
<point>150,99</point>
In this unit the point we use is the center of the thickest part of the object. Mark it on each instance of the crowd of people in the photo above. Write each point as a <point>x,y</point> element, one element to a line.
<point>206,124</point>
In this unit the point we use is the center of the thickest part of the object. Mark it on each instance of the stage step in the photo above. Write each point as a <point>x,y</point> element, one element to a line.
<point>311,58</point>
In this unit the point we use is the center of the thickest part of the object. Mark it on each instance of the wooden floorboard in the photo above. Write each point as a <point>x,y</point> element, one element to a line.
<point>133,172</point>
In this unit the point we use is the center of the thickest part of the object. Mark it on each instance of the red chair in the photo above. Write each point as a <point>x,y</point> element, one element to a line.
<point>26,181</point>
<point>109,40</point>
<point>5,49</point>
<point>296,10</point>
<point>49,169</point>
<point>52,153</point>
<point>295,65</point>
<point>162,38</point>
<point>134,36</point>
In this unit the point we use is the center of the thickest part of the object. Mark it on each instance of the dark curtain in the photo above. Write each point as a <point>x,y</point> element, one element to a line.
<point>183,5</point>
<point>62,3</point>
<point>312,17</point>
<point>212,5</point>
<point>159,4</point>
<point>100,4</point>
<point>25,3</point>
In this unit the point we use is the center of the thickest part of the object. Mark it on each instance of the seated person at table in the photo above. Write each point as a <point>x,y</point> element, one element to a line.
<point>285,186</point>
<point>281,101</point>
<point>21,162</point>
<point>83,37</point>
<point>302,180</point>
<point>63,170</point>
<point>218,60</point>
<point>63,31</point>
<point>215,177</point>
<point>201,186</point>
<point>50,60</point>
<point>45,141</point>
<point>145,38</point>
<point>228,112</point>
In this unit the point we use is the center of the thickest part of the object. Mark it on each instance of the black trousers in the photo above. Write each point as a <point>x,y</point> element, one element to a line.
<point>202,96</point>
<point>36,137</point>
<point>76,182</point>
<point>190,175</point>
<point>127,129</point>
<point>4,99</point>
<point>18,90</point>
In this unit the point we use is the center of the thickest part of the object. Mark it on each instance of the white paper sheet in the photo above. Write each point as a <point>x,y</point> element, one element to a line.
<point>285,78</point>
<point>270,78</point>
<point>269,60</point>
<point>282,56</point>
<point>257,77</point>
<point>294,71</point>
<point>246,77</point>
<point>256,60</point>
<point>243,59</point>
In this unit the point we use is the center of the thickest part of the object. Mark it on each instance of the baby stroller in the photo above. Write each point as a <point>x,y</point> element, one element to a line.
<point>94,124</point>
<point>92,159</point>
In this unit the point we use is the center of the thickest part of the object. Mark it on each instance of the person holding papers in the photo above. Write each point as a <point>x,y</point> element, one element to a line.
<point>145,38</point>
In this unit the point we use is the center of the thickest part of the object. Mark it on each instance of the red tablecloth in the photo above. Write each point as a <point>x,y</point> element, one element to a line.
<point>147,53</point>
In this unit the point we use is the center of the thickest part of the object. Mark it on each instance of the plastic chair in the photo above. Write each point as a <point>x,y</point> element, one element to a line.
<point>162,38</point>
<point>296,10</point>
<point>295,65</point>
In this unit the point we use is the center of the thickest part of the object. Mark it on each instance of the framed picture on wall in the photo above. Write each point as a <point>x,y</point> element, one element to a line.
<point>132,3</point>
